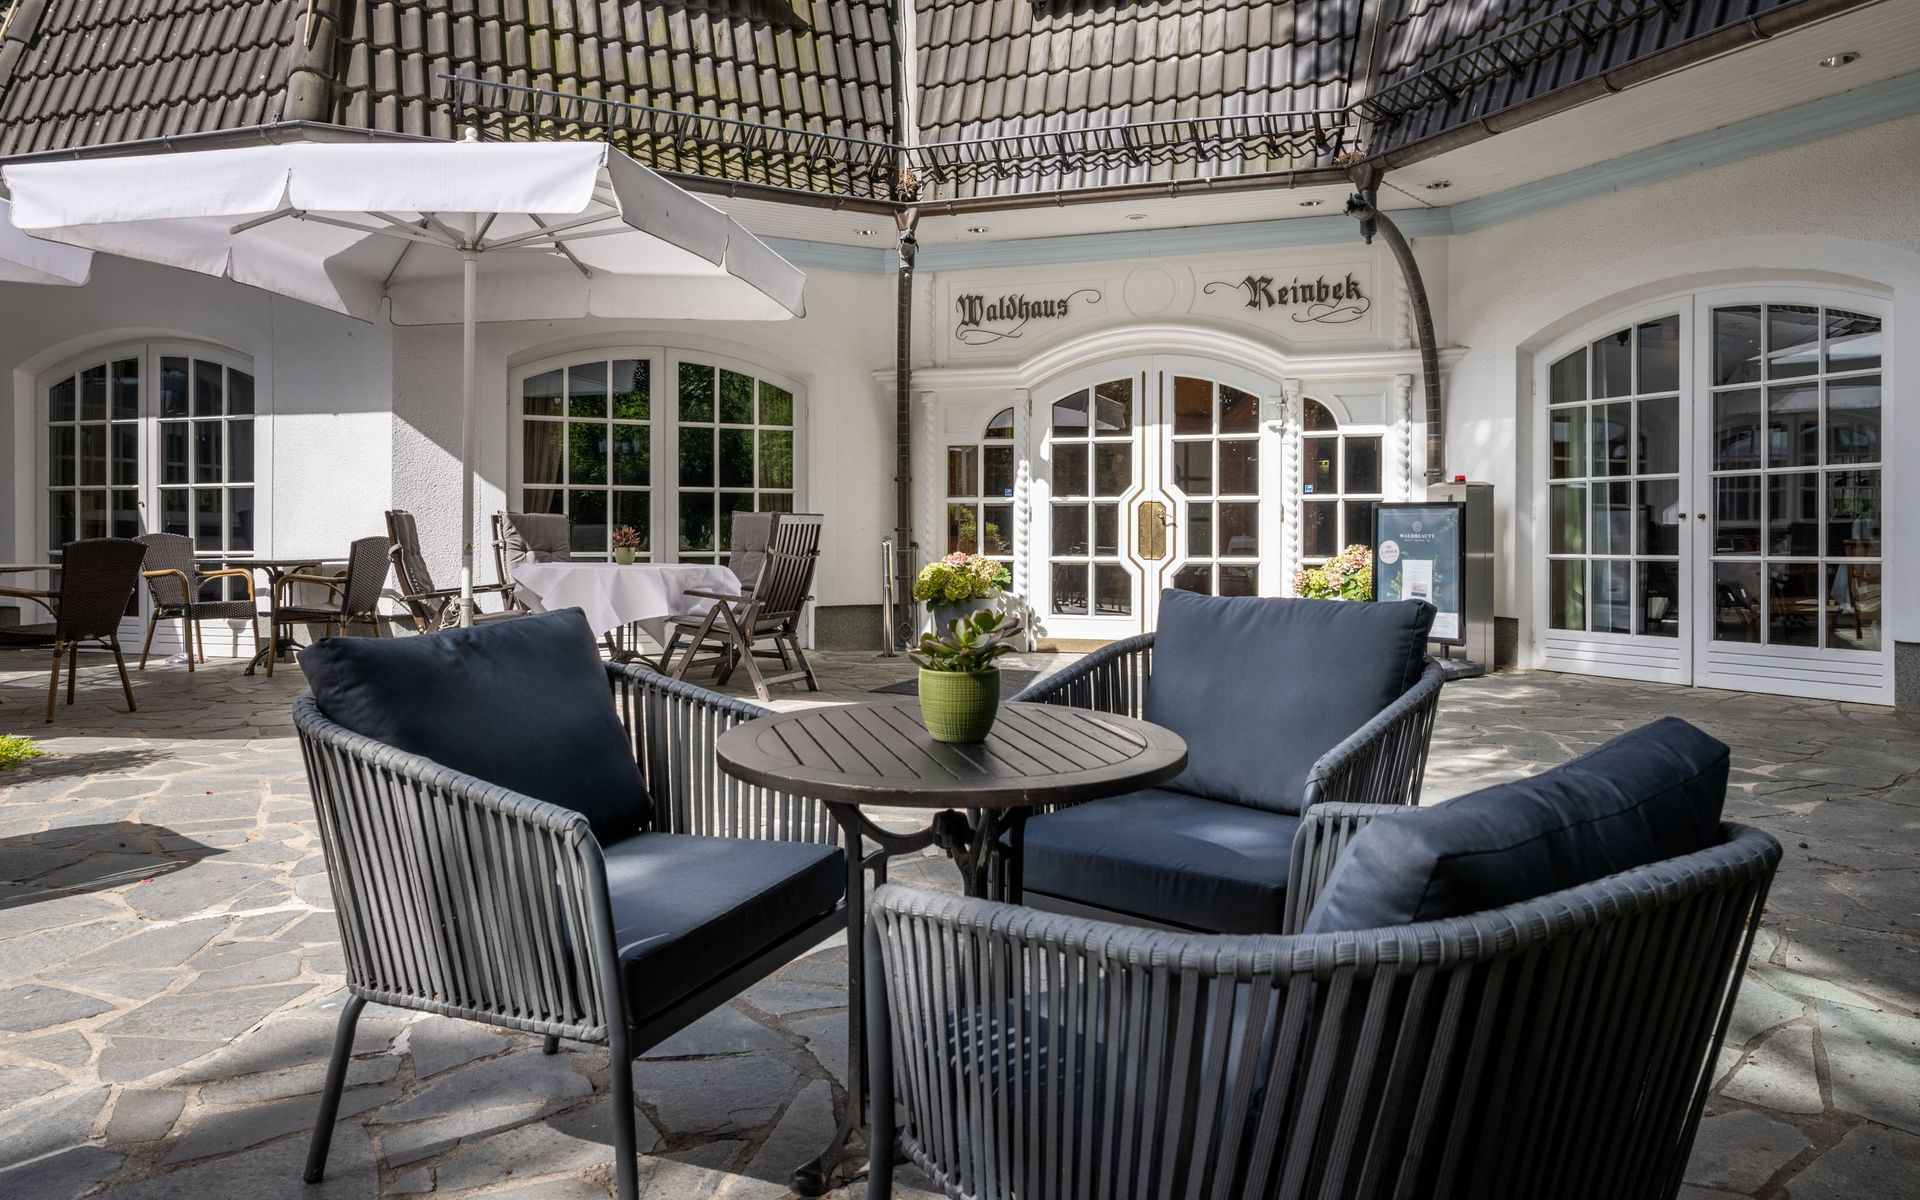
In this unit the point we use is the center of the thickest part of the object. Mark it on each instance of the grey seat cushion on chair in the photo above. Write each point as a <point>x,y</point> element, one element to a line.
<point>1171,857</point>
<point>1261,688</point>
<point>1644,797</point>
<point>535,537</point>
<point>688,909</point>
<point>523,704</point>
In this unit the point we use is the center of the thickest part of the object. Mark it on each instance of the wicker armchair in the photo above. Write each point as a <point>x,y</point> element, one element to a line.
<point>1561,1047</point>
<point>98,577</point>
<point>354,594</point>
<point>459,897</point>
<point>174,580</point>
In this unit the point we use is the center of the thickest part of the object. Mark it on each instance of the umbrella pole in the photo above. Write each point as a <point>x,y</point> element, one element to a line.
<point>469,269</point>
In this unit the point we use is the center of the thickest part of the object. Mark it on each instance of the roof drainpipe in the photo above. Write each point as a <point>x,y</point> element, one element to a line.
<point>906,189</point>
<point>1373,221</point>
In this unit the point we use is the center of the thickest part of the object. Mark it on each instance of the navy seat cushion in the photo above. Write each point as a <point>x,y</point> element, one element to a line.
<point>1167,856</point>
<point>686,909</point>
<point>524,704</point>
<point>1646,796</point>
<point>1260,688</point>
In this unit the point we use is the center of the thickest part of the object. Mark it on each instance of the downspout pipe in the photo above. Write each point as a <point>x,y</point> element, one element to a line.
<point>1373,221</point>
<point>905,190</point>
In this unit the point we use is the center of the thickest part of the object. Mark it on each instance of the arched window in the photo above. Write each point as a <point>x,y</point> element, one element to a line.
<point>980,492</point>
<point>1340,482</point>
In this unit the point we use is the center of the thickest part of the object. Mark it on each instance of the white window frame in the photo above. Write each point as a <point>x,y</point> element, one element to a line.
<point>1342,432</point>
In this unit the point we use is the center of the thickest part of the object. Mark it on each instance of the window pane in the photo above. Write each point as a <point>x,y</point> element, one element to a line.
<point>1569,433</point>
<point>1112,590</point>
<point>61,445</point>
<point>540,452</point>
<point>240,451</point>
<point>1567,593</point>
<point>776,458</point>
<point>1853,342</point>
<point>1659,436</point>
<point>962,530</point>
<point>696,521</point>
<point>1240,468</point>
<point>1363,464</point>
<point>126,514</point>
<point>1070,589</point>
<point>1320,460</point>
<point>540,394</point>
<point>93,455</point>
<point>1239,530</point>
<point>999,471</point>
<point>61,403</point>
<point>1239,412</point>
<point>1736,344</point>
<point>1070,529</point>
<point>996,529</point>
<point>776,406</point>
<point>173,511</point>
<point>93,514</point>
<point>239,393</point>
<point>736,458</point>
<point>1195,577</point>
<point>1736,515</point>
<point>632,455</point>
<point>1113,408</point>
<point>1193,467</point>
<point>174,453</point>
<point>208,518</point>
<point>1659,517</point>
<point>1239,580</point>
<point>1359,527</point>
<point>93,393</point>
<point>126,389</point>
<point>736,398</point>
<point>632,385</point>
<point>1736,602</point>
<point>1612,365</point>
<point>1567,519</point>
<point>586,452</point>
<point>696,458</point>
<point>1192,405</point>
<point>1106,528</point>
<point>635,510</point>
<point>209,399</point>
<point>543,500</point>
<point>1659,598</point>
<point>208,459</point>
<point>240,519</point>
<point>1659,347</point>
<point>1793,514</point>
<point>1612,522</point>
<point>1070,469</point>
<point>1612,598</point>
<point>1200,530</point>
<point>587,521</point>
<point>1567,379</point>
<point>1793,426</point>
<point>1070,416</point>
<point>1112,468</point>
<point>1853,420</point>
<point>1793,604</point>
<point>1853,607</point>
<point>1316,418</point>
<point>1612,439</point>
<point>696,392</point>
<point>1319,529</point>
<point>962,470</point>
<point>1793,340</point>
<point>587,390</point>
<point>60,519</point>
<point>1000,427</point>
<point>1736,431</point>
<point>1853,514</point>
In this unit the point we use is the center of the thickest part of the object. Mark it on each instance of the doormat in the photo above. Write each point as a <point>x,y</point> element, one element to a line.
<point>1011,684</point>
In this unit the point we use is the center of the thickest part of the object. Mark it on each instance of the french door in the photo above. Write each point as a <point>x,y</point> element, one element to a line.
<point>1154,474</point>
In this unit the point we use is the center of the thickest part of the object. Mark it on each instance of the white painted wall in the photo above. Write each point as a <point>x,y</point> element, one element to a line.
<point>1843,210</point>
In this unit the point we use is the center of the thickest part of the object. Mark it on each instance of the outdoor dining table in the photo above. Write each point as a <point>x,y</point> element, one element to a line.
<point>615,595</point>
<point>854,758</point>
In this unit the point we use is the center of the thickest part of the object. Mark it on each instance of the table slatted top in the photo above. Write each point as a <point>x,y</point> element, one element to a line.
<point>881,754</point>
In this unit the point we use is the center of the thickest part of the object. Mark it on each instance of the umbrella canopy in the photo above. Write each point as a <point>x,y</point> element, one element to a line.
<point>26,259</point>
<point>566,229</point>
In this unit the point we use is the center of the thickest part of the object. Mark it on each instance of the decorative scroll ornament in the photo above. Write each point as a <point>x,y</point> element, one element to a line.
<point>1316,301</point>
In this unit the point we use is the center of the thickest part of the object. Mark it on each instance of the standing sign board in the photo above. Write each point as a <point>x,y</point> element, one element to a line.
<point>1420,553</point>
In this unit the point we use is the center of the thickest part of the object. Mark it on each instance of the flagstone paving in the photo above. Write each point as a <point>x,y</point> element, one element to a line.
<point>170,974</point>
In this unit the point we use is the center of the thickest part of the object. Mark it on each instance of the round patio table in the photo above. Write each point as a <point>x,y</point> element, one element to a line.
<point>860,756</point>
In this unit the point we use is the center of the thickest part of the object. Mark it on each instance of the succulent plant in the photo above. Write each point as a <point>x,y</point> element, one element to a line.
<point>971,643</point>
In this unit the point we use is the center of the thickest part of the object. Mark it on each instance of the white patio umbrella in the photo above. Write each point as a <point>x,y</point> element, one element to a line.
<point>26,259</point>
<point>565,229</point>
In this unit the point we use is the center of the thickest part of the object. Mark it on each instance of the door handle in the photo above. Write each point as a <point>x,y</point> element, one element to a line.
<point>1150,542</point>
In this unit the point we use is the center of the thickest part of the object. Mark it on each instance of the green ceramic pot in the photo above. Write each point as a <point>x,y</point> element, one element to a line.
<point>623,555</point>
<point>959,706</point>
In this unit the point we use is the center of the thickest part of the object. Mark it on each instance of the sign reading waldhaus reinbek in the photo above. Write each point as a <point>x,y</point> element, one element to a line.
<point>982,320</point>
<point>1319,300</point>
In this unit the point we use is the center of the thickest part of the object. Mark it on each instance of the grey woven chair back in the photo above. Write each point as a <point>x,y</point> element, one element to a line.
<point>410,563</point>
<point>747,544</point>
<point>530,537</point>
<point>1560,1047</point>
<point>168,552</point>
<point>786,577</point>
<point>98,577</point>
<point>366,575</point>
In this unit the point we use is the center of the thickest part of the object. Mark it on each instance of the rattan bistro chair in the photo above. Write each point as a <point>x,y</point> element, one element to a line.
<point>431,608</point>
<point>604,882</point>
<point>767,610</point>
<point>174,580</point>
<point>1556,1045</point>
<point>354,594</point>
<point>98,577</point>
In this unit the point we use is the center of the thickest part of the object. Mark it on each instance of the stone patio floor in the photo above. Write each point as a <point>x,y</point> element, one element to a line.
<point>169,972</point>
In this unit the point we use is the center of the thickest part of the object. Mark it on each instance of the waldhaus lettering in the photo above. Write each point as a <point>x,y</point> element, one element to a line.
<point>1321,300</point>
<point>982,319</point>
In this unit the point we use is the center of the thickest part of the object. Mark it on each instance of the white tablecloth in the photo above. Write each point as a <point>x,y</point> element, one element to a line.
<point>612,595</point>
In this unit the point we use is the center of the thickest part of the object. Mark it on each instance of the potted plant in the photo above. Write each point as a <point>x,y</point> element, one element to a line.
<point>958,586</point>
<point>626,539</point>
<point>1348,575</point>
<point>959,685</point>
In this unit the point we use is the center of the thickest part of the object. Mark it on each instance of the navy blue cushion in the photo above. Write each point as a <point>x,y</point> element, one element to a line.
<point>1166,856</point>
<point>523,704</point>
<point>1644,797</point>
<point>688,909</point>
<point>1261,688</point>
